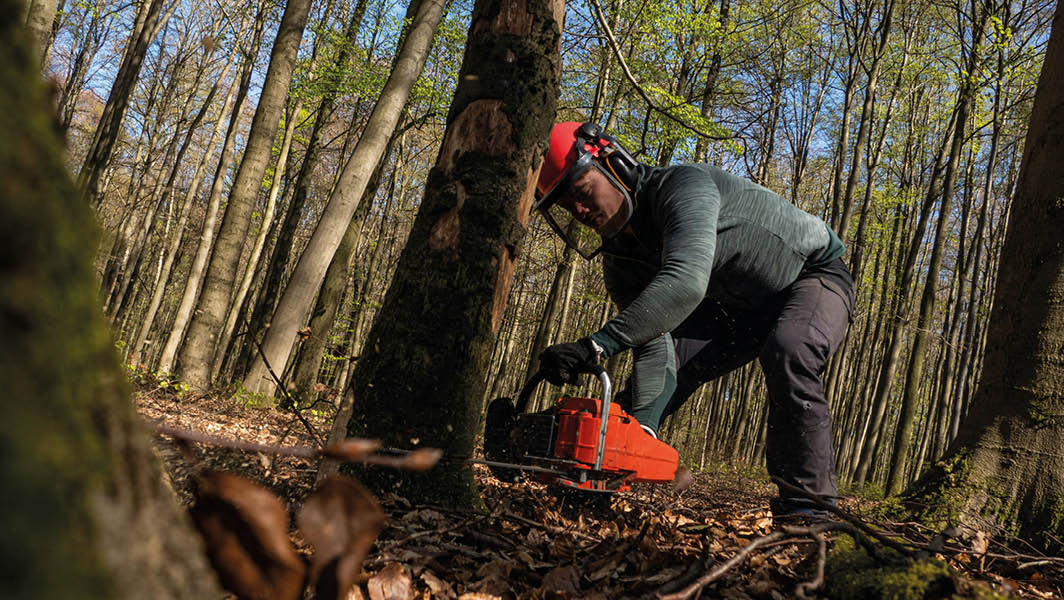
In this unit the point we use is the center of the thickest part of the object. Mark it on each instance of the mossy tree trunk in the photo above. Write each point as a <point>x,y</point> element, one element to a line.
<point>421,376</point>
<point>1004,467</point>
<point>85,512</point>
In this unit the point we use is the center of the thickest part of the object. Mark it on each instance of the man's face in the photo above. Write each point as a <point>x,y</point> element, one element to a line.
<point>595,202</point>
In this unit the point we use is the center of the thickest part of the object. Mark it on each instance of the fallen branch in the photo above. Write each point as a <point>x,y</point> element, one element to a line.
<point>350,450</point>
<point>859,524</point>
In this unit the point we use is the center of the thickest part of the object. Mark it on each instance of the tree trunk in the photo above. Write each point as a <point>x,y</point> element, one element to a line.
<point>85,510</point>
<point>306,280</point>
<point>206,242</point>
<point>1004,467</point>
<point>39,16</point>
<point>917,356</point>
<point>186,208</point>
<point>147,25</point>
<point>236,307</point>
<point>332,288</point>
<point>197,354</point>
<point>421,376</point>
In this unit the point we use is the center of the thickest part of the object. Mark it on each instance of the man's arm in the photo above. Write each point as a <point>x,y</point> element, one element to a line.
<point>685,206</point>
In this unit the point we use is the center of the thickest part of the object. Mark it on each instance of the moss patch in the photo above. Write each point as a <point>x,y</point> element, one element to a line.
<point>854,575</point>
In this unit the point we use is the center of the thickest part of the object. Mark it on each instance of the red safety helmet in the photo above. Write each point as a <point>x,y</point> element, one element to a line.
<point>575,148</point>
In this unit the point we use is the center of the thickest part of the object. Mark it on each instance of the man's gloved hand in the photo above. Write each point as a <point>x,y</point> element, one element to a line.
<point>563,363</point>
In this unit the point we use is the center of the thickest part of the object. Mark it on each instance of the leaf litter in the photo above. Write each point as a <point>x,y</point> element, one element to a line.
<point>529,543</point>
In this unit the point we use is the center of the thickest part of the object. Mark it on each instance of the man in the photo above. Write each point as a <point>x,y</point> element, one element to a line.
<point>710,271</point>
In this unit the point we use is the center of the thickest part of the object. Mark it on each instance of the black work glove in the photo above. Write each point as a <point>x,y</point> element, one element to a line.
<point>563,363</point>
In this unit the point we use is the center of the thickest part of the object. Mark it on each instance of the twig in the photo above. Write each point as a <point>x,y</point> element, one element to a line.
<point>715,574</point>
<point>886,541</point>
<point>291,403</point>
<point>399,462</point>
<point>803,589</point>
<point>601,19</point>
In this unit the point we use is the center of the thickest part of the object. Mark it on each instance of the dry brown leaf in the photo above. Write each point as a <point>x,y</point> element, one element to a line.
<point>478,596</point>
<point>440,589</point>
<point>392,583</point>
<point>245,529</point>
<point>341,520</point>
<point>352,449</point>
<point>422,460</point>
<point>561,581</point>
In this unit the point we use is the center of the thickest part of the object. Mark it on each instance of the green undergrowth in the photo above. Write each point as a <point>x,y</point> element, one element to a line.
<point>852,574</point>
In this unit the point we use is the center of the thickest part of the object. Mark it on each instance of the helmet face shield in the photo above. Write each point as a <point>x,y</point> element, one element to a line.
<point>585,239</point>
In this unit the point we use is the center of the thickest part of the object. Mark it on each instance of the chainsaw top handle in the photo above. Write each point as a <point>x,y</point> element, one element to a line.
<point>530,386</point>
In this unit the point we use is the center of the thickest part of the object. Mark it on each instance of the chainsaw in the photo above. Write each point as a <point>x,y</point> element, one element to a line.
<point>583,444</point>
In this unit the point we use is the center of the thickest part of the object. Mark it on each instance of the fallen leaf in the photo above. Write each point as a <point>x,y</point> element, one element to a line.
<point>439,588</point>
<point>245,529</point>
<point>341,519</point>
<point>561,581</point>
<point>392,583</point>
<point>352,449</point>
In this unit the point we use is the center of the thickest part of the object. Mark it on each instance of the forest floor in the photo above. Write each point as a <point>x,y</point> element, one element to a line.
<point>531,543</point>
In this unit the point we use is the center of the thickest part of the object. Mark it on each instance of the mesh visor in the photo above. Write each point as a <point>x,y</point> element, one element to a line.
<point>584,240</point>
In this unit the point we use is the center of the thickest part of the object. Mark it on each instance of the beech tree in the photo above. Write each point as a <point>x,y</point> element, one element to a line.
<point>422,372</point>
<point>85,511</point>
<point>1004,468</point>
<point>201,342</point>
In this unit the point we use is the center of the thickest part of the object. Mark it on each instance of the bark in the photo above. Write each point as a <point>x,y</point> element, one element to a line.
<point>206,242</point>
<point>197,354</point>
<point>85,510</point>
<point>1004,468</point>
<point>306,280</point>
<point>39,16</point>
<point>422,373</point>
<point>150,19</point>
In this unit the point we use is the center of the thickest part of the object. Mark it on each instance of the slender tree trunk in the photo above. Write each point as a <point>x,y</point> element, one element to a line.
<point>865,125</point>
<point>910,400</point>
<point>197,354</point>
<point>186,207</point>
<point>150,19</point>
<point>206,242</point>
<point>310,270</point>
<point>237,305</point>
<point>332,288</point>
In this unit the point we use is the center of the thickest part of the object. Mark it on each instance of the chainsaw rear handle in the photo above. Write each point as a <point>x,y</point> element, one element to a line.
<point>607,398</point>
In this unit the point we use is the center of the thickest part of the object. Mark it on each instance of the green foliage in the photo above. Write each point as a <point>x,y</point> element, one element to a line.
<point>150,381</point>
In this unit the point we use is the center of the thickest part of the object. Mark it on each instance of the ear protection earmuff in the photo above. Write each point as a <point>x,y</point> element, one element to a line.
<point>611,155</point>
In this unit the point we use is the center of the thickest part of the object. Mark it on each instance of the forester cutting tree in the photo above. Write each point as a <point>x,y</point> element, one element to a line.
<point>710,271</point>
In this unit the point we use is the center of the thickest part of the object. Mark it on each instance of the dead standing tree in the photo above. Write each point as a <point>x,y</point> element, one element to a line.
<point>422,372</point>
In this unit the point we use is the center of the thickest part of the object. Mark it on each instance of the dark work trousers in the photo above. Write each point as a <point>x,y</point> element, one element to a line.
<point>793,341</point>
